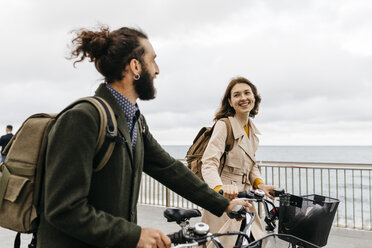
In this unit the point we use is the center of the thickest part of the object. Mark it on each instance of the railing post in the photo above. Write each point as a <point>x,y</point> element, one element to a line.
<point>167,197</point>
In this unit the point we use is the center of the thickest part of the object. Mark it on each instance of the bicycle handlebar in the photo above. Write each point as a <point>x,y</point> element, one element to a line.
<point>271,211</point>
<point>199,234</point>
<point>257,194</point>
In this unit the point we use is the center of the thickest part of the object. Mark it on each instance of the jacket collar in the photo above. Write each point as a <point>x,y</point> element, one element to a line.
<point>249,145</point>
<point>103,92</point>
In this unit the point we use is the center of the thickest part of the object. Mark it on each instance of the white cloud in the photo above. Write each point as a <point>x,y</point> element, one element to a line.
<point>309,59</point>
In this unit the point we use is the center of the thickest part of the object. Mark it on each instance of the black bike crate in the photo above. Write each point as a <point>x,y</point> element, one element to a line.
<point>308,217</point>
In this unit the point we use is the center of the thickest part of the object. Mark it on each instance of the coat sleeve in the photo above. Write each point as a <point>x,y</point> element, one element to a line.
<point>254,174</point>
<point>177,177</point>
<point>68,174</point>
<point>212,155</point>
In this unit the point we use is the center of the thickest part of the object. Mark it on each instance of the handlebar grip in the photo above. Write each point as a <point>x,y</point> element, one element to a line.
<point>244,194</point>
<point>177,237</point>
<point>237,212</point>
<point>241,194</point>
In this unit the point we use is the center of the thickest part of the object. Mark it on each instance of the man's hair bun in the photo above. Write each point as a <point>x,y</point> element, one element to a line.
<point>91,44</point>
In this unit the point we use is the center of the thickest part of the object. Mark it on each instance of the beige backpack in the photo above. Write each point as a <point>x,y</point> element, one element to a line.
<point>22,171</point>
<point>196,150</point>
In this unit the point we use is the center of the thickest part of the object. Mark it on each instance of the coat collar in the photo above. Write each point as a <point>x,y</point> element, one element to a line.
<point>249,145</point>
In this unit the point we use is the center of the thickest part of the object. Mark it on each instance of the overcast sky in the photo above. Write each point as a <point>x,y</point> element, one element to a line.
<point>310,60</point>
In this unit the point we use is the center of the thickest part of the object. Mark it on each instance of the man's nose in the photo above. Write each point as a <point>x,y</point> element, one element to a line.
<point>156,69</point>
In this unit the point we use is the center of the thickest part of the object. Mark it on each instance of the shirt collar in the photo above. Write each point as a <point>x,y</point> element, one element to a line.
<point>130,110</point>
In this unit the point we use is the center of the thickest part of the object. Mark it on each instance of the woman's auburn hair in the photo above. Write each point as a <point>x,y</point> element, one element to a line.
<point>226,110</point>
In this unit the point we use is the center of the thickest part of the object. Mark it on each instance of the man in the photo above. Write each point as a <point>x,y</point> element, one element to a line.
<point>87,209</point>
<point>4,140</point>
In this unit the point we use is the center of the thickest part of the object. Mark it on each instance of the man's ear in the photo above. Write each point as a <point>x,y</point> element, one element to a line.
<point>135,66</point>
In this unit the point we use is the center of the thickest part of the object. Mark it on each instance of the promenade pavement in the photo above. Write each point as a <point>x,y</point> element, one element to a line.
<point>149,216</point>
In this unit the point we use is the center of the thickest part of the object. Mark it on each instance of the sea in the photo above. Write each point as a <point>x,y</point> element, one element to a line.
<point>351,187</point>
<point>315,154</point>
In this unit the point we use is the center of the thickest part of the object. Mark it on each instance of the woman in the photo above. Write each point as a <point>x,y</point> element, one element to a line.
<point>240,172</point>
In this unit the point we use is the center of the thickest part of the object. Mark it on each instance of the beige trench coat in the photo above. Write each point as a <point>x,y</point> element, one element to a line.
<point>239,161</point>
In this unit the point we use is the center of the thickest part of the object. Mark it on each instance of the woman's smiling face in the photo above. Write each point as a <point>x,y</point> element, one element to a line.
<point>242,98</point>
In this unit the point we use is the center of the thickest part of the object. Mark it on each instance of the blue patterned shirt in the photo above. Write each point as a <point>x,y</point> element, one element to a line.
<point>131,112</point>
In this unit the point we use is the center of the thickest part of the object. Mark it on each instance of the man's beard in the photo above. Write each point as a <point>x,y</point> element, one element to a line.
<point>144,86</point>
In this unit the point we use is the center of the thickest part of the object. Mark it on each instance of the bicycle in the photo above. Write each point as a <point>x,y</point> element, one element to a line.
<point>199,234</point>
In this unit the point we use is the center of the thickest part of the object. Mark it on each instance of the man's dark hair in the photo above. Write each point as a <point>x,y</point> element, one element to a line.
<point>110,51</point>
<point>10,127</point>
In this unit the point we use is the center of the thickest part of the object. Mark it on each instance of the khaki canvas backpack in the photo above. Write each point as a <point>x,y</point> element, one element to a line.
<point>22,171</point>
<point>196,150</point>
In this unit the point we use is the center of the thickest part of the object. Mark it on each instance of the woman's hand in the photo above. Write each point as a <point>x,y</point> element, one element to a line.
<point>230,191</point>
<point>266,189</point>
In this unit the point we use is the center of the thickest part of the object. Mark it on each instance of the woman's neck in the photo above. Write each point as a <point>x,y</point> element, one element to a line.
<point>243,118</point>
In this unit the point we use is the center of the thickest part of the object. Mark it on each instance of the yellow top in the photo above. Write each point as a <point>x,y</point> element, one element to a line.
<point>246,128</point>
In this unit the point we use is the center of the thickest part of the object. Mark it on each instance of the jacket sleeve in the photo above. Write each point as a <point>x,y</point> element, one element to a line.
<point>68,173</point>
<point>177,177</point>
<point>212,155</point>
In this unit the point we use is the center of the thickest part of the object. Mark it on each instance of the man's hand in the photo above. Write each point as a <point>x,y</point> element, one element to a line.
<point>267,189</point>
<point>235,202</point>
<point>152,238</point>
<point>230,191</point>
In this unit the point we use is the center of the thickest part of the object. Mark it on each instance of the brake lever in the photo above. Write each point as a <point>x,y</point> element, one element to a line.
<point>277,192</point>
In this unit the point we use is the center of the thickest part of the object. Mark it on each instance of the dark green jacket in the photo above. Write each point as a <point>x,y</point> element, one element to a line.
<point>83,208</point>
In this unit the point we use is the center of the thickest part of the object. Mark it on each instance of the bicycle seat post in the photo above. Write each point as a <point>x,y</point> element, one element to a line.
<point>183,223</point>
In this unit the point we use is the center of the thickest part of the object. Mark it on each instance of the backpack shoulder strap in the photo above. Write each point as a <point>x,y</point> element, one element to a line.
<point>229,142</point>
<point>108,133</point>
<point>107,128</point>
<point>230,135</point>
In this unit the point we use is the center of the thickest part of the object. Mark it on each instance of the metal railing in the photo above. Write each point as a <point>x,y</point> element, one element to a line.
<point>154,193</point>
<point>350,183</point>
